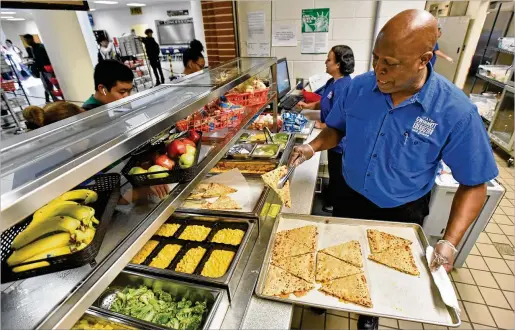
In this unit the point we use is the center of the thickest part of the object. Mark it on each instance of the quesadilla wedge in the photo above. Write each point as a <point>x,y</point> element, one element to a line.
<point>329,268</point>
<point>285,248</point>
<point>218,190</point>
<point>222,203</point>
<point>280,283</point>
<point>349,252</point>
<point>302,266</point>
<point>306,235</point>
<point>380,241</point>
<point>351,288</point>
<point>271,179</point>
<point>398,258</point>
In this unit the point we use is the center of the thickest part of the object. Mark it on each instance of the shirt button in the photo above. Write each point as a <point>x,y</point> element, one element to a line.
<point>375,155</point>
<point>382,134</point>
<point>390,112</point>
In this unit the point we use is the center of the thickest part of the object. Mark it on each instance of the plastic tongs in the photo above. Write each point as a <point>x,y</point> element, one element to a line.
<point>268,135</point>
<point>284,179</point>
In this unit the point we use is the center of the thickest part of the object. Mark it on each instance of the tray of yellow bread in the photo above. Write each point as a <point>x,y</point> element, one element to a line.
<point>197,248</point>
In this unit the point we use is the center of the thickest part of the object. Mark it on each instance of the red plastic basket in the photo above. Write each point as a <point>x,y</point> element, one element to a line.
<point>248,99</point>
<point>200,121</point>
<point>49,69</point>
<point>54,81</point>
<point>8,85</point>
<point>57,93</point>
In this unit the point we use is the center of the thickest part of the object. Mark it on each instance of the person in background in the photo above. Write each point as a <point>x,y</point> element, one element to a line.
<point>106,50</point>
<point>196,46</point>
<point>113,81</point>
<point>41,60</point>
<point>37,117</point>
<point>399,121</point>
<point>339,64</point>
<point>438,52</point>
<point>14,58</point>
<point>153,51</point>
<point>193,61</point>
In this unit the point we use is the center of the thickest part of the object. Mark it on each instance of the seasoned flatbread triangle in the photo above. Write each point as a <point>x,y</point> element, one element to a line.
<point>284,248</point>
<point>280,282</point>
<point>351,288</point>
<point>306,235</point>
<point>218,190</point>
<point>329,268</point>
<point>271,179</point>
<point>380,241</point>
<point>399,258</point>
<point>349,252</point>
<point>222,203</point>
<point>302,266</point>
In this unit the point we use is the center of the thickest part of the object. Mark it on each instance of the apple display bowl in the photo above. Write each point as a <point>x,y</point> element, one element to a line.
<point>144,158</point>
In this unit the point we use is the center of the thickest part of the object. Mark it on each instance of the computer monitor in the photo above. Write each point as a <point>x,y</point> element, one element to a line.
<point>283,78</point>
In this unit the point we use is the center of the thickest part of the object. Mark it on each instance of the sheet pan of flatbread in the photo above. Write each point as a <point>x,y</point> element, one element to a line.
<point>391,279</point>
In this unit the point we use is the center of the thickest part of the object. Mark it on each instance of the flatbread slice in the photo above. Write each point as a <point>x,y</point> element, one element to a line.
<point>280,282</point>
<point>306,235</point>
<point>271,179</point>
<point>349,252</point>
<point>302,266</point>
<point>351,288</point>
<point>285,248</point>
<point>380,241</point>
<point>218,190</point>
<point>329,268</point>
<point>398,258</point>
<point>222,203</point>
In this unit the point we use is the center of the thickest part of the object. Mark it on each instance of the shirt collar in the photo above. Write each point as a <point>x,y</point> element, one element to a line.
<point>426,95</point>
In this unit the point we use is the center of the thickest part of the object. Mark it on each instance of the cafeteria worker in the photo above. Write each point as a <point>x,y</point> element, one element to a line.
<point>339,64</point>
<point>399,121</point>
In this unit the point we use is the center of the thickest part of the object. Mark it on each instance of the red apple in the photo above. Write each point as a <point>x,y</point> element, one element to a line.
<point>176,148</point>
<point>165,162</point>
<point>186,142</point>
<point>194,136</point>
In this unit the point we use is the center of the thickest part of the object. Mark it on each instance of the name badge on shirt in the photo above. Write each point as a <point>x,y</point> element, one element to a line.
<point>424,126</point>
<point>330,95</point>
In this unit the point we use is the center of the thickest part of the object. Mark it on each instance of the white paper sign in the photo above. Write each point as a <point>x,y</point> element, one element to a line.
<point>258,49</point>
<point>315,43</point>
<point>284,35</point>
<point>256,25</point>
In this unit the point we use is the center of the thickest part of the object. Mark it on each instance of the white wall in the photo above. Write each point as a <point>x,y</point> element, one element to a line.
<point>14,29</point>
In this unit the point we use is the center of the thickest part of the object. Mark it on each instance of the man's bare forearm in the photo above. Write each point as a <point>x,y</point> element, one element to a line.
<point>466,205</point>
<point>327,139</point>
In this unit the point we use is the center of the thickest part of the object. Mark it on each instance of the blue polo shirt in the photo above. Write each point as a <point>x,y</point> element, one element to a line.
<point>332,91</point>
<point>391,154</point>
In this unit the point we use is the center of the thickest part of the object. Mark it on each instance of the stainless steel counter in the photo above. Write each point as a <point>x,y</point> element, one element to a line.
<point>257,313</point>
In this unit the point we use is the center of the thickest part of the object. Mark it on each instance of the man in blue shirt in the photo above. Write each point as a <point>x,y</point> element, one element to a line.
<point>399,121</point>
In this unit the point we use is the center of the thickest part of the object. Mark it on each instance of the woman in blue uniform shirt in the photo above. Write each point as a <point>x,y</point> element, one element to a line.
<point>339,64</point>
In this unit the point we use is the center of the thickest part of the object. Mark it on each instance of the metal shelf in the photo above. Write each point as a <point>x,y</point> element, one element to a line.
<point>57,301</point>
<point>491,81</point>
<point>500,50</point>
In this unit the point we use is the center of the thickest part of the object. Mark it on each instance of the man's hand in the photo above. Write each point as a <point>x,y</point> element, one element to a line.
<point>300,154</point>
<point>161,191</point>
<point>320,125</point>
<point>443,255</point>
<point>302,105</point>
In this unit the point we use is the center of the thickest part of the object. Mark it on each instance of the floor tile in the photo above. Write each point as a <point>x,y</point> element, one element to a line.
<point>475,251</point>
<point>497,265</point>
<point>506,203</point>
<point>512,239</point>
<point>508,210</point>
<point>510,297</point>
<point>479,314</point>
<point>507,229</point>
<point>505,281</point>
<point>462,275</point>
<point>297,317</point>
<point>499,211</point>
<point>499,238</point>
<point>509,194</point>
<point>469,293</point>
<point>493,228</point>
<point>464,315</point>
<point>312,321</point>
<point>353,324</point>
<point>511,265</point>
<point>333,322</point>
<point>389,322</point>
<point>509,257</point>
<point>381,327</point>
<point>504,318</point>
<point>476,262</point>
<point>434,327</point>
<point>408,325</point>
<point>502,219</point>
<point>484,278</point>
<point>488,250</point>
<point>354,316</point>
<point>482,327</point>
<point>463,326</point>
<point>494,297</point>
<point>338,313</point>
<point>483,238</point>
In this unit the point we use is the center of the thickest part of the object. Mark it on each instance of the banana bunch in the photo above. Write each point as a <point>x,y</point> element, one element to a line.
<point>61,227</point>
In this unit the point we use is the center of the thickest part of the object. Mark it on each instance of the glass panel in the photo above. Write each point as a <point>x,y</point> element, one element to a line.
<point>502,127</point>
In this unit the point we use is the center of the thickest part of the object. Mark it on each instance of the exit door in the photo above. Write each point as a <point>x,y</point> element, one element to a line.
<point>454,29</point>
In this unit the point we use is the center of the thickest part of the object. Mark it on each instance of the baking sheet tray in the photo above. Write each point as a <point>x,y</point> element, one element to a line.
<point>394,294</point>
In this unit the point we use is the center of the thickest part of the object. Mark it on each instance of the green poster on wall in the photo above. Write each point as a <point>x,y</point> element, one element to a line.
<point>315,20</point>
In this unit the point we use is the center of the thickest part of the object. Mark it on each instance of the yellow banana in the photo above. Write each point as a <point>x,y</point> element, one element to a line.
<point>52,224</point>
<point>84,236</point>
<point>81,213</point>
<point>31,266</point>
<point>51,253</point>
<point>38,246</point>
<point>44,212</point>
<point>87,196</point>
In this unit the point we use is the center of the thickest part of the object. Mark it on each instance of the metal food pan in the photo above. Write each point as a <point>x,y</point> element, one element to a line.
<point>237,156</point>
<point>178,289</point>
<point>274,156</point>
<point>217,223</point>
<point>394,294</point>
<point>93,315</point>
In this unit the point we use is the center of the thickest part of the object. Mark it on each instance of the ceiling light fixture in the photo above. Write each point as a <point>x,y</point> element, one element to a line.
<point>16,19</point>
<point>6,17</point>
<point>136,4</point>
<point>8,13</point>
<point>106,2</point>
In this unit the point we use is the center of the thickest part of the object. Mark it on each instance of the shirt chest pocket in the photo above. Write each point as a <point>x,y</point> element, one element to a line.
<point>413,154</point>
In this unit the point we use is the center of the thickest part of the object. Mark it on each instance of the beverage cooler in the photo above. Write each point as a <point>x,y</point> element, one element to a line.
<point>501,129</point>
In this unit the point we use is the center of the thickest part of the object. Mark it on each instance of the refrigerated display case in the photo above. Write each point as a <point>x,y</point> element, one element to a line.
<point>501,130</point>
<point>43,164</point>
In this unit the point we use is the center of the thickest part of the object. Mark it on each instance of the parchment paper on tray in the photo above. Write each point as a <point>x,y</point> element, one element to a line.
<point>232,178</point>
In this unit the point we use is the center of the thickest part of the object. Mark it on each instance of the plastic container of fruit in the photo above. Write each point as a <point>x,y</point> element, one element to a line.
<point>142,168</point>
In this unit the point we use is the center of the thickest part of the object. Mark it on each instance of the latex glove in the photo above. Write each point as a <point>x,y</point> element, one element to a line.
<point>301,105</point>
<point>300,154</point>
<point>450,60</point>
<point>443,255</point>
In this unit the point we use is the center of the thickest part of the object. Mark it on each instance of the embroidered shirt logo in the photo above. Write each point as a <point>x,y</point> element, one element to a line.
<point>424,126</point>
